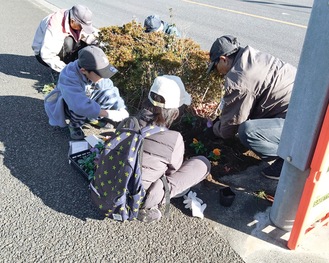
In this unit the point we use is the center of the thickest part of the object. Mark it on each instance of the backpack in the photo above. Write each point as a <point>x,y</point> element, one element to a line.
<point>116,189</point>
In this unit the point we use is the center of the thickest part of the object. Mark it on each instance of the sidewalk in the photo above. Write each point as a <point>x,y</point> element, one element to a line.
<point>46,213</point>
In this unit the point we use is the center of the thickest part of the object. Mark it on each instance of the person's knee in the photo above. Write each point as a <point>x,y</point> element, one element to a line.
<point>205,162</point>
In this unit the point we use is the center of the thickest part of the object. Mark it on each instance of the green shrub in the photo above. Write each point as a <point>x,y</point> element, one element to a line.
<point>140,57</point>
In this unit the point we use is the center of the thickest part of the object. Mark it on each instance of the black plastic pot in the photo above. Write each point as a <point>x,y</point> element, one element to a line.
<point>226,196</point>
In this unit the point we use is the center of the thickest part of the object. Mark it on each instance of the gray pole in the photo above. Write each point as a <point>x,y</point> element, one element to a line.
<point>305,115</point>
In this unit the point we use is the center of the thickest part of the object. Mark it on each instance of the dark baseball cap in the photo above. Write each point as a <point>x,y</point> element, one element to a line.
<point>93,58</point>
<point>152,23</point>
<point>223,46</point>
<point>83,16</point>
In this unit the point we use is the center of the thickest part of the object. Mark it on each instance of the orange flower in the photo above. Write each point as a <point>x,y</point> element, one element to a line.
<point>216,151</point>
<point>195,141</point>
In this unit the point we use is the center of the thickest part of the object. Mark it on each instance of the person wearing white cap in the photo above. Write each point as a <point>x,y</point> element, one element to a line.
<point>85,92</point>
<point>60,35</point>
<point>163,153</point>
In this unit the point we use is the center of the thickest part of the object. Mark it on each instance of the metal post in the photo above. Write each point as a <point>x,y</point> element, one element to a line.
<point>306,111</point>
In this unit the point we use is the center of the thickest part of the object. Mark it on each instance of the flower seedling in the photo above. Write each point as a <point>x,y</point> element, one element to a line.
<point>88,163</point>
<point>198,146</point>
<point>215,154</point>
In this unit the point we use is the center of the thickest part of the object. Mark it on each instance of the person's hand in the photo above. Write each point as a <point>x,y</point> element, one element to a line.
<point>117,115</point>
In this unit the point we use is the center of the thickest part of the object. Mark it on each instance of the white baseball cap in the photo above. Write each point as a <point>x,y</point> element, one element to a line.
<point>172,89</point>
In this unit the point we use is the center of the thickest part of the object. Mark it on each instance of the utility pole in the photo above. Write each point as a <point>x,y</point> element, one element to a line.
<point>305,115</point>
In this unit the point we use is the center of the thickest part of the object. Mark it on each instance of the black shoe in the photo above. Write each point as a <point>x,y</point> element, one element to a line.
<point>274,170</point>
<point>54,76</point>
<point>76,133</point>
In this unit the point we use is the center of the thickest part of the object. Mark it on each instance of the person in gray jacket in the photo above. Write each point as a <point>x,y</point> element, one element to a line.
<point>258,87</point>
<point>163,153</point>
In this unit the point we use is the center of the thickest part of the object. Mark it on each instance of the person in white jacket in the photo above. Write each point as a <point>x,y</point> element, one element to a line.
<point>62,34</point>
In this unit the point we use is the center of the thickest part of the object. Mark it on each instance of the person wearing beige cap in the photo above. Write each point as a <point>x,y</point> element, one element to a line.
<point>163,153</point>
<point>61,35</point>
<point>84,92</point>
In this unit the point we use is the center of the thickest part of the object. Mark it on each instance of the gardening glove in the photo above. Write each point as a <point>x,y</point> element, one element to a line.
<point>191,195</point>
<point>195,204</point>
<point>117,115</point>
<point>198,208</point>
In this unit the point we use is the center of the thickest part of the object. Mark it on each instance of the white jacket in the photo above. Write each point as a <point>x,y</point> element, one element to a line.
<point>49,38</point>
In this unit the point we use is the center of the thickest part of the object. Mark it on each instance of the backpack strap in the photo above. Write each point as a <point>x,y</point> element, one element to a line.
<point>152,129</point>
<point>130,122</point>
<point>167,194</point>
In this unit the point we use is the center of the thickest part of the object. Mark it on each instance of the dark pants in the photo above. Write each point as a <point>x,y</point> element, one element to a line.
<point>69,51</point>
<point>103,96</point>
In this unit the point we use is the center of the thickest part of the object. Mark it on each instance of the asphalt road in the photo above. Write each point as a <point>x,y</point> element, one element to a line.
<point>45,209</point>
<point>274,26</point>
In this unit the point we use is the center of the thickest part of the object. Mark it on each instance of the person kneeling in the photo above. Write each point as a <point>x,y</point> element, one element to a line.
<point>85,92</point>
<point>163,153</point>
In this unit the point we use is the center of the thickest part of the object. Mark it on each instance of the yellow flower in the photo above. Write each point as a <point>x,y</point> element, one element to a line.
<point>216,151</point>
<point>195,141</point>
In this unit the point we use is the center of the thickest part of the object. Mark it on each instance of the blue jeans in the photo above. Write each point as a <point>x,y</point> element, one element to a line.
<point>262,136</point>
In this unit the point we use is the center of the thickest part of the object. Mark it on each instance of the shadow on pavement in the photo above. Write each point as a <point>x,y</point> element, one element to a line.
<point>36,154</point>
<point>26,67</point>
<point>249,213</point>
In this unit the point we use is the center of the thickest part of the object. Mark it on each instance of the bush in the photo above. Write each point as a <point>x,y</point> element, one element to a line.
<point>140,57</point>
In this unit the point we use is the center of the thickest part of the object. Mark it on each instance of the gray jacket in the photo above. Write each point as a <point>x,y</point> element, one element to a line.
<point>257,86</point>
<point>163,152</point>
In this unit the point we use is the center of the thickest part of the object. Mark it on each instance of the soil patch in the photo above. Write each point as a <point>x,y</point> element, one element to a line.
<point>233,158</point>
